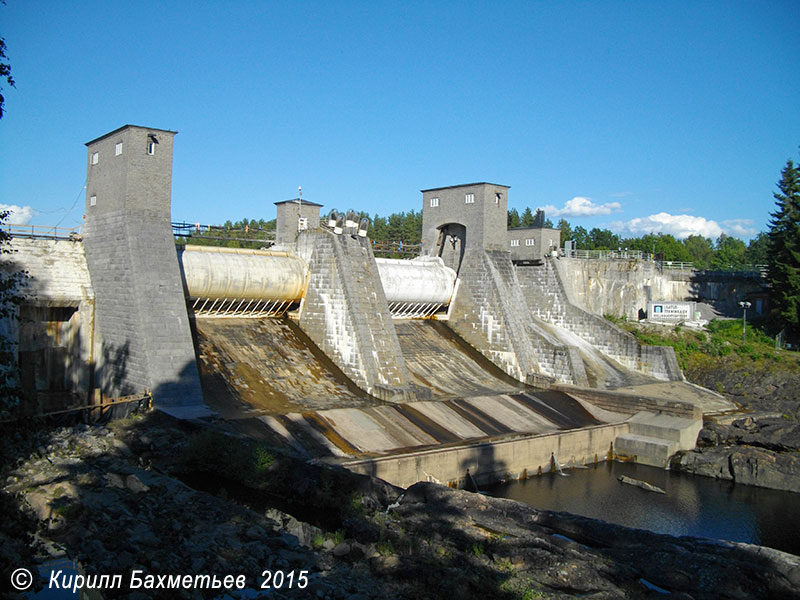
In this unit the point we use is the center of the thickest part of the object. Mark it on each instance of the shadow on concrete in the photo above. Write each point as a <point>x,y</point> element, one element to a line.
<point>721,292</point>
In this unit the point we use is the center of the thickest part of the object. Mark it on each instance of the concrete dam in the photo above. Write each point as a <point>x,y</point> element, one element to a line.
<point>468,357</point>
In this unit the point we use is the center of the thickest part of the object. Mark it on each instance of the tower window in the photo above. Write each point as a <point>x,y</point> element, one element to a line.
<point>118,149</point>
<point>152,140</point>
<point>530,242</point>
<point>95,158</point>
<point>434,202</point>
<point>93,201</point>
<point>497,197</point>
<point>469,199</point>
<point>514,243</point>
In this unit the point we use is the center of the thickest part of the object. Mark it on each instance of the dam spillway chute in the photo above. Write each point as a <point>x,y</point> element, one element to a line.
<point>241,282</point>
<point>417,288</point>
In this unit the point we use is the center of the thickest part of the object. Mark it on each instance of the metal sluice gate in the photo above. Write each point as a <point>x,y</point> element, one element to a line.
<point>236,282</point>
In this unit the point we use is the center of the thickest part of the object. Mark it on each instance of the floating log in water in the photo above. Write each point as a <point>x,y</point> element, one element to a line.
<point>642,484</point>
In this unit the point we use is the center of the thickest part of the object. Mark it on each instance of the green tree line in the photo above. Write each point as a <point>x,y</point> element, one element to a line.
<point>245,233</point>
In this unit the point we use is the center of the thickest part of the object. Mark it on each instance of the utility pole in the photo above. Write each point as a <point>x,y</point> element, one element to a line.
<point>745,306</point>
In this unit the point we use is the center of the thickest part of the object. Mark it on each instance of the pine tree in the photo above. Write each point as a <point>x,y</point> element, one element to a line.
<point>783,262</point>
<point>527,217</point>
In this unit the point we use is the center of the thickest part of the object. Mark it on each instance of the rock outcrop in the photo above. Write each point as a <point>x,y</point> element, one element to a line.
<point>109,499</point>
<point>760,451</point>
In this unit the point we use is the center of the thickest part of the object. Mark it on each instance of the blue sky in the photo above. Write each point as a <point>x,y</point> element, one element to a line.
<point>636,116</point>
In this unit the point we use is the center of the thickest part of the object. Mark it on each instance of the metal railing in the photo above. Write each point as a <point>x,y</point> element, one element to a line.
<point>41,232</point>
<point>611,254</point>
<point>674,265</point>
<point>401,248</point>
<point>662,265</point>
<point>220,233</point>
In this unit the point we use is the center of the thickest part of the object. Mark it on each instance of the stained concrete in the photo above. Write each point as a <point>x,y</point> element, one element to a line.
<point>438,360</point>
<point>266,366</point>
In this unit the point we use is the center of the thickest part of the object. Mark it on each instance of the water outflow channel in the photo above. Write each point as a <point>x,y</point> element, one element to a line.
<point>693,505</point>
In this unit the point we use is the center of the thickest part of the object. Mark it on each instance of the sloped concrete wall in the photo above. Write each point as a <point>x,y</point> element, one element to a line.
<point>142,321</point>
<point>490,313</point>
<point>345,313</point>
<point>545,295</point>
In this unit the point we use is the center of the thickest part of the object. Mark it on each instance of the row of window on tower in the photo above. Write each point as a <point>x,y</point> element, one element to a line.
<point>152,141</point>
<point>468,199</point>
<point>528,242</point>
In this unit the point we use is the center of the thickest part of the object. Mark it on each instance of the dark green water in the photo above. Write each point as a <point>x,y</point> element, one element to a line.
<point>693,505</point>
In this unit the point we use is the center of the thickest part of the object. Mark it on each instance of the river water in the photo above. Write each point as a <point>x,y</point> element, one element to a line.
<point>692,505</point>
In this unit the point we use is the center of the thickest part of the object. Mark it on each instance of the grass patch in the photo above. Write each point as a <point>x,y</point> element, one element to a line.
<point>241,460</point>
<point>701,349</point>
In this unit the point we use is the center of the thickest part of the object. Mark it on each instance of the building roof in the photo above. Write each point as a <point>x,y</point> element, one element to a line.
<point>298,201</point>
<point>105,135</point>
<point>447,187</point>
<point>527,227</point>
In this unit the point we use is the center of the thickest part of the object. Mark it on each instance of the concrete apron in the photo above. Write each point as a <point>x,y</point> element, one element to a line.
<point>514,457</point>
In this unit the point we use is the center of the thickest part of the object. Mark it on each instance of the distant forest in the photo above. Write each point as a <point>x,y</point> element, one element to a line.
<point>724,253</point>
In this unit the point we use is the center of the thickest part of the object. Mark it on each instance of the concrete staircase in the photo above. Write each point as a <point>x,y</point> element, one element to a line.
<point>653,437</point>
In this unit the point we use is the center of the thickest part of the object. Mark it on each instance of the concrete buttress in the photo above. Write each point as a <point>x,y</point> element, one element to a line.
<point>345,313</point>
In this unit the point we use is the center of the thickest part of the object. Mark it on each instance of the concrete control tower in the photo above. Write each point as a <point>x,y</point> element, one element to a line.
<point>141,316</point>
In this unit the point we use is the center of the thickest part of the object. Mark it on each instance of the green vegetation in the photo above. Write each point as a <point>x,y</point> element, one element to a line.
<point>5,73</point>
<point>385,547</point>
<point>247,233</point>
<point>783,262</point>
<point>240,460</point>
<point>11,295</point>
<point>477,549</point>
<point>695,349</point>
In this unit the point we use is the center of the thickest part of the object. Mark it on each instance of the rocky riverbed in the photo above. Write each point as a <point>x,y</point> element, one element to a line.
<point>162,497</point>
<point>760,447</point>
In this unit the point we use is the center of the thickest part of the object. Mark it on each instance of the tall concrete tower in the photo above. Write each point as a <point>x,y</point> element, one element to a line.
<point>142,322</point>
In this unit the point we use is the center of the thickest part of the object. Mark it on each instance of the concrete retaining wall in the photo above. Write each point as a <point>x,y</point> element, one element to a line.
<point>624,287</point>
<point>56,334</point>
<point>493,461</point>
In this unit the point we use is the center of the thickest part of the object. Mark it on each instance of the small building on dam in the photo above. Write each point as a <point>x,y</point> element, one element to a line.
<point>478,354</point>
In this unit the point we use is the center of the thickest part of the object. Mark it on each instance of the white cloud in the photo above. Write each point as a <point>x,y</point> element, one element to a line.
<point>20,215</point>
<point>682,226</point>
<point>582,207</point>
<point>739,227</point>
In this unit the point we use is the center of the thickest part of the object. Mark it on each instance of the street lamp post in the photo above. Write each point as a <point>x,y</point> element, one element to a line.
<point>745,306</point>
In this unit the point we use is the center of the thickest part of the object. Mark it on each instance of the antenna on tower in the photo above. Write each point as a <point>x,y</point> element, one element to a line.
<point>302,223</point>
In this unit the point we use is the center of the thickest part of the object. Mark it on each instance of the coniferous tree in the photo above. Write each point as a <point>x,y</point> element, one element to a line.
<point>527,217</point>
<point>758,249</point>
<point>566,230</point>
<point>783,261</point>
